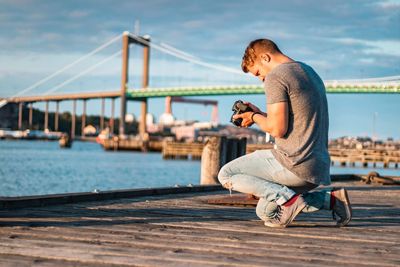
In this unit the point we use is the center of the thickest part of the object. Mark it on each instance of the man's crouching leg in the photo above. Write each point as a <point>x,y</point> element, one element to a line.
<point>224,177</point>
<point>265,210</point>
<point>278,204</point>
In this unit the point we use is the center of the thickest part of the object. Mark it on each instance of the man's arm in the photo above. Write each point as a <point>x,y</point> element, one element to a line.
<point>275,123</point>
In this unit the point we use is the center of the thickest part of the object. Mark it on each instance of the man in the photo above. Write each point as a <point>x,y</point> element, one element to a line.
<point>298,120</point>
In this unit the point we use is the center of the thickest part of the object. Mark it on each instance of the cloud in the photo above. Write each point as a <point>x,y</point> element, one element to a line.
<point>389,5</point>
<point>77,14</point>
<point>377,47</point>
<point>194,24</point>
<point>324,34</point>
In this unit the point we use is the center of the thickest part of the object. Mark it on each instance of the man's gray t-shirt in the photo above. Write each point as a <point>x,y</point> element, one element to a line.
<point>304,148</point>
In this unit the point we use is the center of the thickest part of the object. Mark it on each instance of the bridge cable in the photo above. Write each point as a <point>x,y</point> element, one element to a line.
<point>186,57</point>
<point>98,49</point>
<point>4,102</point>
<point>91,68</point>
<point>193,59</point>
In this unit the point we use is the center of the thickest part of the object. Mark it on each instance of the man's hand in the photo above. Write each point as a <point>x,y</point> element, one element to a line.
<point>253,107</point>
<point>246,118</point>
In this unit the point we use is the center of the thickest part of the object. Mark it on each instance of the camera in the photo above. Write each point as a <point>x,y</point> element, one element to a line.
<point>238,108</point>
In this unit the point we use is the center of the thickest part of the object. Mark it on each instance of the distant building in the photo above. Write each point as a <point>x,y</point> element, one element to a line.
<point>166,119</point>
<point>90,130</point>
<point>129,118</point>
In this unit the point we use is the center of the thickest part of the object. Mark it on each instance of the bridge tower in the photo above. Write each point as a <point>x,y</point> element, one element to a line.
<point>143,41</point>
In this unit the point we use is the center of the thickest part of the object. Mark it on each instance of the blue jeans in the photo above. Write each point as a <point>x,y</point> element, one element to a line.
<point>261,175</point>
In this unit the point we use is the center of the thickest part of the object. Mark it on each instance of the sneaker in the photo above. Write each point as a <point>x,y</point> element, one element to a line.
<point>286,213</point>
<point>340,205</point>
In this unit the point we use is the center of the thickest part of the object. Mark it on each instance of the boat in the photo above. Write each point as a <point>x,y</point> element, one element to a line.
<point>65,141</point>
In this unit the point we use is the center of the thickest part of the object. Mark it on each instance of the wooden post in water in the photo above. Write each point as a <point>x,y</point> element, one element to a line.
<point>216,153</point>
<point>83,118</point>
<point>385,164</point>
<point>56,116</point>
<point>242,144</point>
<point>46,116</point>
<point>20,115</point>
<point>73,119</point>
<point>210,161</point>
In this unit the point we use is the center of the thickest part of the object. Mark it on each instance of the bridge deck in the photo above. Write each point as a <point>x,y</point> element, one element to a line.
<point>182,230</point>
<point>138,94</point>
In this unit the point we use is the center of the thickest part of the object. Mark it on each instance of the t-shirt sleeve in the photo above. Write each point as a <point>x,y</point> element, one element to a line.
<point>275,89</point>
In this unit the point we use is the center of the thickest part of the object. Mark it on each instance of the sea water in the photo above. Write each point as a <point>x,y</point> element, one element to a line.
<point>42,167</point>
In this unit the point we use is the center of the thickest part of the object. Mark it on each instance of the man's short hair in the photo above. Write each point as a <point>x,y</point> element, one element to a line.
<point>254,49</point>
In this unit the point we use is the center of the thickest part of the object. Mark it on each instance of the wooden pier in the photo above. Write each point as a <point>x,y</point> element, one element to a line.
<point>183,230</point>
<point>385,158</point>
<point>132,145</point>
<point>350,157</point>
<point>180,150</point>
<point>365,157</point>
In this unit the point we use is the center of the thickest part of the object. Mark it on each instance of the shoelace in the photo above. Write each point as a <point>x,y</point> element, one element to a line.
<point>278,213</point>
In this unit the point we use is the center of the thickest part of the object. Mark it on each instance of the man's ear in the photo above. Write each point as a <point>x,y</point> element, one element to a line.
<point>265,57</point>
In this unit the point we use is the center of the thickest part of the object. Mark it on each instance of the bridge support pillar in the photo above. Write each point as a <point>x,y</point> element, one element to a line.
<point>168,105</point>
<point>56,116</point>
<point>145,84</point>
<point>124,81</point>
<point>142,124</point>
<point>112,115</point>
<point>83,119</point>
<point>46,116</point>
<point>214,114</point>
<point>102,114</point>
<point>20,106</point>
<point>30,115</point>
<point>73,119</point>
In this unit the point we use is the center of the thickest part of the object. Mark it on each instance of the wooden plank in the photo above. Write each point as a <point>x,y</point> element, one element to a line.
<point>56,199</point>
<point>182,230</point>
<point>25,261</point>
<point>94,252</point>
<point>139,242</point>
<point>221,243</point>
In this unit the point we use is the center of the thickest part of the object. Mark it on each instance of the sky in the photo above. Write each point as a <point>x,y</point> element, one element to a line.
<point>339,39</point>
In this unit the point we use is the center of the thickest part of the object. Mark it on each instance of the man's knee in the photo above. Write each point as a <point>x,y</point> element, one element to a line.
<point>223,175</point>
<point>265,210</point>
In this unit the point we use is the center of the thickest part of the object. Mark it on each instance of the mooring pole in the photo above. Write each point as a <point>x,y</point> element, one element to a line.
<point>145,84</point>
<point>56,116</point>
<point>73,119</point>
<point>30,115</point>
<point>83,118</point>
<point>46,116</point>
<point>124,81</point>
<point>20,116</point>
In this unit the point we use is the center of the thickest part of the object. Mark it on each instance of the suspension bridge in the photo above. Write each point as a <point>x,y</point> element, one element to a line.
<point>384,85</point>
